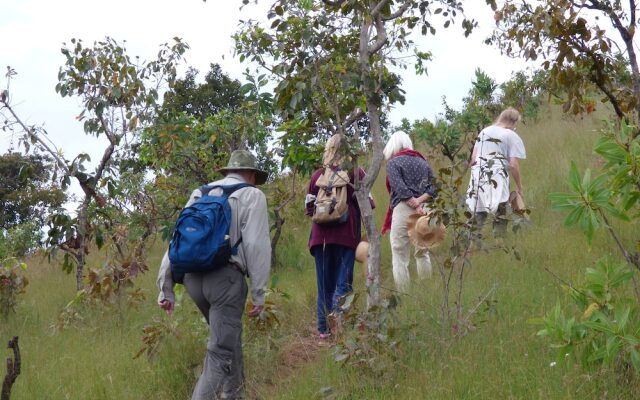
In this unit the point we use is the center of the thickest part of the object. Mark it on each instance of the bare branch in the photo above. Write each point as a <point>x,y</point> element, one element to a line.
<point>381,34</point>
<point>353,117</point>
<point>375,11</point>
<point>34,135</point>
<point>632,259</point>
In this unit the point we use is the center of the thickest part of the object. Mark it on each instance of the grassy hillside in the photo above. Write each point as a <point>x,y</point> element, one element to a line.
<point>503,358</point>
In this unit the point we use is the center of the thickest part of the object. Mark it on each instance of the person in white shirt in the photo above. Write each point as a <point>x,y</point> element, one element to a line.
<point>493,161</point>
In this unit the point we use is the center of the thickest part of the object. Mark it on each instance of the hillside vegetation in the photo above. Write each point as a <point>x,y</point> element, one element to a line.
<point>93,358</point>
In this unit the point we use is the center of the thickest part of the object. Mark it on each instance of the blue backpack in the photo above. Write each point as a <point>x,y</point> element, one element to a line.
<point>200,240</point>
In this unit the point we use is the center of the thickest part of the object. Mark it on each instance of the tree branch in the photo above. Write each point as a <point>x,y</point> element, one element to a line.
<point>612,98</point>
<point>615,19</point>
<point>336,3</point>
<point>377,9</point>
<point>631,258</point>
<point>353,117</point>
<point>598,78</point>
<point>381,34</point>
<point>33,135</point>
<point>398,12</point>
<point>327,98</point>
<point>108,152</point>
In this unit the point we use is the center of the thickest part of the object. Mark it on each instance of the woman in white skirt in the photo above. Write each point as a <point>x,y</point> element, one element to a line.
<point>494,159</point>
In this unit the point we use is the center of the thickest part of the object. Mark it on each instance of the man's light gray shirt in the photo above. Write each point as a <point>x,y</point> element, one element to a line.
<point>249,219</point>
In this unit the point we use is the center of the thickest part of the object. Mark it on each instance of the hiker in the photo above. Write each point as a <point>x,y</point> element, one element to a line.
<point>333,242</point>
<point>494,158</point>
<point>410,184</point>
<point>220,294</point>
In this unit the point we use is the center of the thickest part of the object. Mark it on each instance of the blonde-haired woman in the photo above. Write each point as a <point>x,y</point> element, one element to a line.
<point>333,245</point>
<point>494,159</point>
<point>410,184</point>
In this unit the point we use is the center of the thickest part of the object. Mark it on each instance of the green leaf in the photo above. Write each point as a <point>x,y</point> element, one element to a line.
<point>600,326</point>
<point>574,178</point>
<point>610,150</point>
<point>609,208</point>
<point>574,216</point>
<point>630,200</point>
<point>622,316</point>
<point>586,179</point>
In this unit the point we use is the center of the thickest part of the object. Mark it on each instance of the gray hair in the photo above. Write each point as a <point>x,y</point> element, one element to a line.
<point>397,142</point>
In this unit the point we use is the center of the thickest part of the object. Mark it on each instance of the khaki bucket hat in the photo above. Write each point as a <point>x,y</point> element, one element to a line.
<point>244,160</point>
<point>424,231</point>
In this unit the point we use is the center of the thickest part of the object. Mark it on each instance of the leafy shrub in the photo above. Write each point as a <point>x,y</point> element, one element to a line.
<point>608,333</point>
<point>12,283</point>
<point>20,240</point>
<point>372,341</point>
<point>608,327</point>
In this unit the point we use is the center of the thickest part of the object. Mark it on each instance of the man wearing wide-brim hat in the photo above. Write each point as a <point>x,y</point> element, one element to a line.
<point>220,294</point>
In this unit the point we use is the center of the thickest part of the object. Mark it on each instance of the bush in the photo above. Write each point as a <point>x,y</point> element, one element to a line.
<point>20,240</point>
<point>12,283</point>
<point>606,331</point>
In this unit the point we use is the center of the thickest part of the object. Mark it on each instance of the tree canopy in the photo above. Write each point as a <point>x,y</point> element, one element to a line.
<point>582,44</point>
<point>201,100</point>
<point>26,190</point>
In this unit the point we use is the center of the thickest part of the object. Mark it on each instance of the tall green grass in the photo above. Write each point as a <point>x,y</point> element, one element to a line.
<point>503,358</point>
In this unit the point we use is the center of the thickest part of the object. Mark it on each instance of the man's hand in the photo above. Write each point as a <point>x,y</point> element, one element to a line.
<point>255,311</point>
<point>166,305</point>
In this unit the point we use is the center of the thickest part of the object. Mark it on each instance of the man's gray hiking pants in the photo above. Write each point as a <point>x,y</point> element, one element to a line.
<point>220,295</point>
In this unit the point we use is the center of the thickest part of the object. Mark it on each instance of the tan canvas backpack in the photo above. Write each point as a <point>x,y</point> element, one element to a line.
<point>331,205</point>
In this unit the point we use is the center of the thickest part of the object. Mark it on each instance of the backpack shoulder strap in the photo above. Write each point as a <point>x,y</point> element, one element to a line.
<point>205,189</point>
<point>227,190</point>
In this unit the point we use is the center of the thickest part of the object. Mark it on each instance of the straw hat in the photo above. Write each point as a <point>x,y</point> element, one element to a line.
<point>516,201</point>
<point>424,231</point>
<point>362,252</point>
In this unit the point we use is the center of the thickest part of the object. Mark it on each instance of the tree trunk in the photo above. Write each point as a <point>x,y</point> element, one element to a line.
<point>635,74</point>
<point>277,226</point>
<point>373,273</point>
<point>362,194</point>
<point>82,240</point>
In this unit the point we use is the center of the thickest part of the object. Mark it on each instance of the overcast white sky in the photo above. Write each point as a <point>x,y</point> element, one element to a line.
<point>33,31</point>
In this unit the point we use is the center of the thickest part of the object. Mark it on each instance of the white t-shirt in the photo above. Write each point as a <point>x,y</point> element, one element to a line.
<point>489,183</point>
<point>497,142</point>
